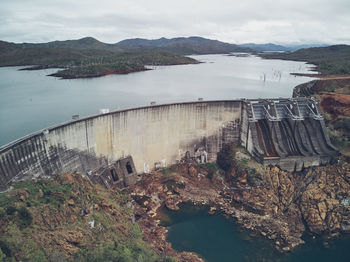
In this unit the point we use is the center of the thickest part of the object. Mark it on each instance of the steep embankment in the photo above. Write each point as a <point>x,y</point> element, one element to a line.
<point>279,205</point>
<point>68,218</point>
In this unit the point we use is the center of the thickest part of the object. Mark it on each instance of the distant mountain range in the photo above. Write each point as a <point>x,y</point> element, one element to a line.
<point>185,45</point>
<point>79,44</point>
<point>179,45</point>
<point>89,51</point>
<point>202,45</point>
<point>269,47</point>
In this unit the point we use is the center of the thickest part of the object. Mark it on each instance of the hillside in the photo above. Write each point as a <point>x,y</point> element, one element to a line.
<point>185,46</point>
<point>49,57</point>
<point>86,57</point>
<point>68,218</point>
<point>270,47</point>
<point>265,47</point>
<point>329,60</point>
<point>79,44</point>
<point>96,57</point>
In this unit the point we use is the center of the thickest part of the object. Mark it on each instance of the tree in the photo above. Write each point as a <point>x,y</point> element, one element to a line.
<point>225,157</point>
<point>2,256</point>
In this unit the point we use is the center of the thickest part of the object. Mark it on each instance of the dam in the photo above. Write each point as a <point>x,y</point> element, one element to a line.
<point>114,147</point>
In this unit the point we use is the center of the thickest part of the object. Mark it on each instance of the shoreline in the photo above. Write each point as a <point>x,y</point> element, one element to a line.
<point>322,76</point>
<point>266,211</point>
<point>118,72</point>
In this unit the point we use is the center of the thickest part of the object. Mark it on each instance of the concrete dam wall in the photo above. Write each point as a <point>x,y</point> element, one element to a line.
<point>154,136</point>
<point>289,133</point>
<point>111,148</point>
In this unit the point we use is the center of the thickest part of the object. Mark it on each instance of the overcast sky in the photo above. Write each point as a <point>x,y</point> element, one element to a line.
<point>259,21</point>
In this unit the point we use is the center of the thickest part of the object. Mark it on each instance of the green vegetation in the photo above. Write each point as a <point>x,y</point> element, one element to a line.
<point>339,133</point>
<point>253,177</point>
<point>236,167</point>
<point>48,220</point>
<point>329,60</point>
<point>98,70</point>
<point>184,45</point>
<point>334,98</point>
<point>225,158</point>
<point>342,123</point>
<point>134,251</point>
<point>168,172</point>
<point>212,168</point>
<point>125,63</point>
<point>86,57</point>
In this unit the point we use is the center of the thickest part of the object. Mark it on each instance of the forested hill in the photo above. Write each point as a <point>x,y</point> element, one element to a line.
<point>79,44</point>
<point>185,45</point>
<point>89,46</point>
<point>86,57</point>
<point>132,54</point>
<point>333,59</point>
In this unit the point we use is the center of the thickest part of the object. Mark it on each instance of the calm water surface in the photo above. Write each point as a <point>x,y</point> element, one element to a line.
<point>30,100</point>
<point>218,239</point>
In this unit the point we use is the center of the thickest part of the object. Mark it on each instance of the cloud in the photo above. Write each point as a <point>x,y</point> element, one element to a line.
<point>260,21</point>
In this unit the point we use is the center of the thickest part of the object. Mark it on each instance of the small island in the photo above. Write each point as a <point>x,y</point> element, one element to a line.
<point>127,64</point>
<point>87,57</point>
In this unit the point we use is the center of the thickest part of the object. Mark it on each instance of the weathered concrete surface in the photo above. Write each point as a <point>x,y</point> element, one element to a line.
<point>154,136</point>
<point>289,133</point>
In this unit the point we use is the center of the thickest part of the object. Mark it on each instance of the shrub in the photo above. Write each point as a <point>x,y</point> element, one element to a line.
<point>25,217</point>
<point>5,248</point>
<point>2,256</point>
<point>170,259</point>
<point>212,166</point>
<point>210,175</point>
<point>342,123</point>
<point>10,210</point>
<point>225,158</point>
<point>2,214</point>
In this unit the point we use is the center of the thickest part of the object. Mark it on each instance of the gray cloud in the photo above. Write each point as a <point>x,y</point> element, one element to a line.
<point>260,21</point>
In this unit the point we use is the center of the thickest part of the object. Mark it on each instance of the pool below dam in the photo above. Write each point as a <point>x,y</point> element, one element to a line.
<point>218,239</point>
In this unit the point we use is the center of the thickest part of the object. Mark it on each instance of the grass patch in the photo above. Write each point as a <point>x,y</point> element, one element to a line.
<point>211,166</point>
<point>168,171</point>
<point>114,236</point>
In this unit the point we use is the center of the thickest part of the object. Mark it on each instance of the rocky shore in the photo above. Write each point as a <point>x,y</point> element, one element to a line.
<point>282,206</point>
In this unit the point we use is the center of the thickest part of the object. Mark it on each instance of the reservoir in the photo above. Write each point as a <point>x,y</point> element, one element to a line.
<point>31,101</point>
<point>218,239</point>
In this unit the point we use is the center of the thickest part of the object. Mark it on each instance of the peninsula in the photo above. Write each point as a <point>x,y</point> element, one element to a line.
<point>88,57</point>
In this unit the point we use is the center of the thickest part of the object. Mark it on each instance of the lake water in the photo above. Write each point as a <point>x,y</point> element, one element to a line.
<point>218,239</point>
<point>30,100</point>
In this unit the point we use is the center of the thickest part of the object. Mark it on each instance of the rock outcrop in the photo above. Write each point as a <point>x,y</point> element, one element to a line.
<point>281,207</point>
